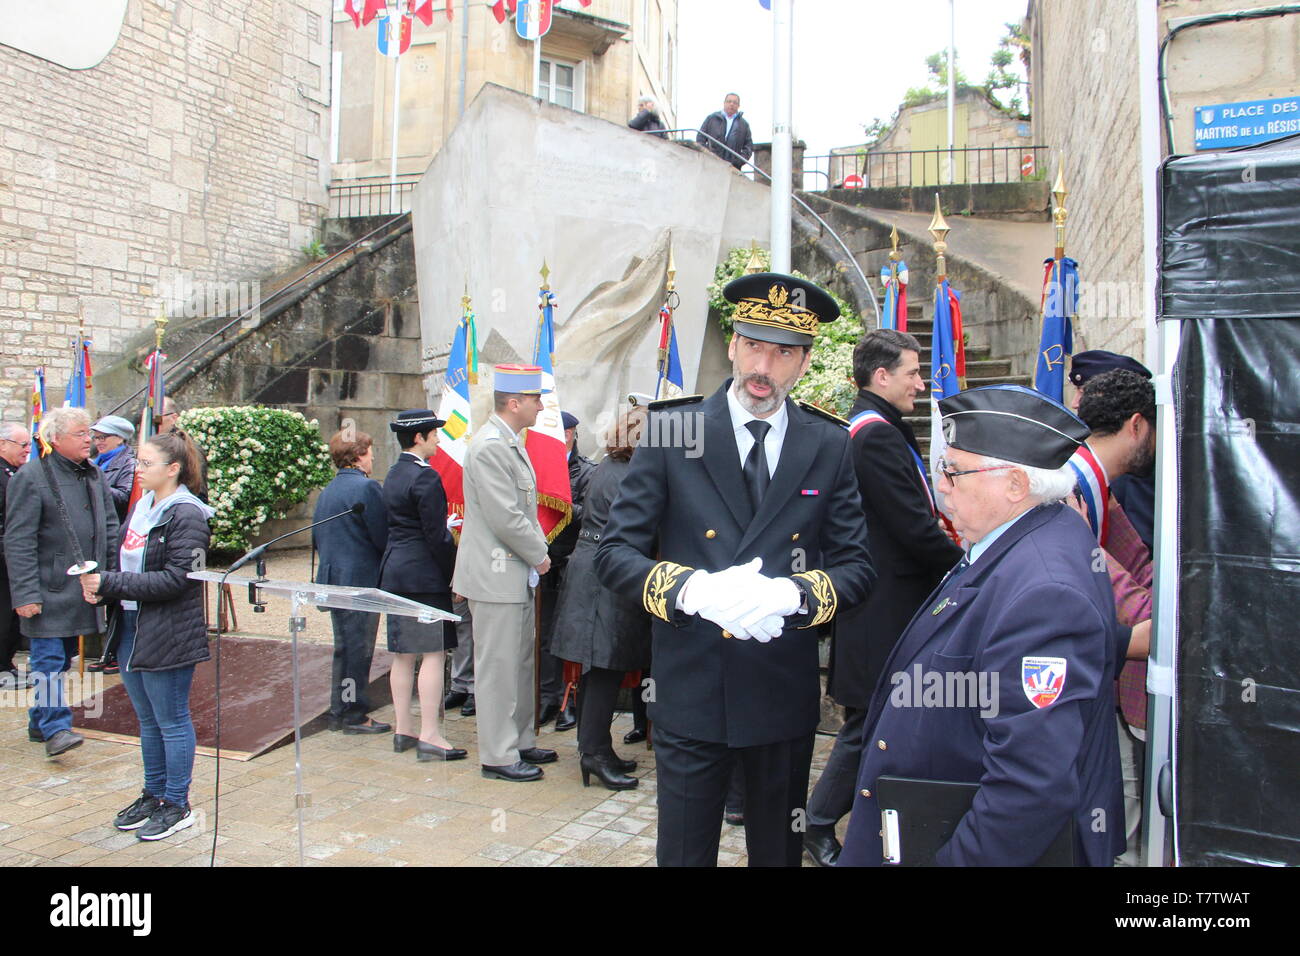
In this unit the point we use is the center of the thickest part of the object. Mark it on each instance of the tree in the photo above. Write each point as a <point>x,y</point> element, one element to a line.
<point>1000,78</point>
<point>936,65</point>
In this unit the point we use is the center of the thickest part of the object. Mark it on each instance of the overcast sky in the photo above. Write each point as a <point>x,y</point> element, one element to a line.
<point>853,59</point>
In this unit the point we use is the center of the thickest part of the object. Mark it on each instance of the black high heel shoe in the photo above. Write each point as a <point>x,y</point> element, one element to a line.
<point>606,771</point>
<point>425,751</point>
<point>402,743</point>
<point>618,763</point>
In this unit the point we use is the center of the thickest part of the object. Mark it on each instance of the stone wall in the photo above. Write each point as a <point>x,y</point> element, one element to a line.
<point>1084,85</point>
<point>191,155</point>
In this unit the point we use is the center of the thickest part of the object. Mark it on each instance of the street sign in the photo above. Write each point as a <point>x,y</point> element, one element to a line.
<point>1245,124</point>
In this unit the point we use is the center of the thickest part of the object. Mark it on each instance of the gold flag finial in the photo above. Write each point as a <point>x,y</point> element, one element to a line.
<point>672,270</point>
<point>755,264</point>
<point>160,326</point>
<point>546,276</point>
<point>464,299</point>
<point>1058,214</point>
<point>939,231</point>
<point>893,242</point>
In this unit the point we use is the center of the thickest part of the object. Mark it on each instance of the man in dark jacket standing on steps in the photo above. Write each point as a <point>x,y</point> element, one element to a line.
<point>909,550</point>
<point>728,126</point>
<point>39,554</point>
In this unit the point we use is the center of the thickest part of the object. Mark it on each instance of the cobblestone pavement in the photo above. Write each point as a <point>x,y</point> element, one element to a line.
<point>369,806</point>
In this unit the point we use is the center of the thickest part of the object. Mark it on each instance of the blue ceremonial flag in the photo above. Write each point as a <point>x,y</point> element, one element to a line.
<point>1060,303</point>
<point>39,407</point>
<point>671,381</point>
<point>944,381</point>
<point>765,4</point>
<point>78,388</point>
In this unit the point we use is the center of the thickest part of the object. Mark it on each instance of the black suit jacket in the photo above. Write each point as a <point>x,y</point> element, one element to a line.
<point>420,554</point>
<point>351,547</point>
<point>909,550</point>
<point>690,495</point>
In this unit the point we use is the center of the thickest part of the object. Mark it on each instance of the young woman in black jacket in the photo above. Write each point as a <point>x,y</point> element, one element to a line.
<point>161,630</point>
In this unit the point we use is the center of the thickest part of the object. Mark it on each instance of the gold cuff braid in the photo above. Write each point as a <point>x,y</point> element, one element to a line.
<point>823,592</point>
<point>661,580</point>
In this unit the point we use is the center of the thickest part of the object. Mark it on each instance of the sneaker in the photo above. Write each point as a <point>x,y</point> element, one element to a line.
<point>166,820</point>
<point>138,813</point>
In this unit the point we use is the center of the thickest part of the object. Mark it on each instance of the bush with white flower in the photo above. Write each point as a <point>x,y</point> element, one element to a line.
<point>261,461</point>
<point>828,383</point>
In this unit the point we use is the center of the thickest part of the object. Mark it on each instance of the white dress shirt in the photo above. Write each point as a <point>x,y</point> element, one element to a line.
<point>745,439</point>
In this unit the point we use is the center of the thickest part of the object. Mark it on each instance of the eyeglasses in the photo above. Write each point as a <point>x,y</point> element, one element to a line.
<point>84,434</point>
<point>941,470</point>
<point>27,443</point>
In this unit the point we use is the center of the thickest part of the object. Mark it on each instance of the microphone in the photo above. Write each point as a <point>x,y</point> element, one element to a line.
<point>357,509</point>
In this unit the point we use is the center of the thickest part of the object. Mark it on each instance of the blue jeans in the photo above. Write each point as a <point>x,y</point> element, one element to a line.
<point>48,662</point>
<point>162,705</point>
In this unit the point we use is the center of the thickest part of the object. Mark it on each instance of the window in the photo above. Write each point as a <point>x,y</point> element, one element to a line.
<point>561,83</point>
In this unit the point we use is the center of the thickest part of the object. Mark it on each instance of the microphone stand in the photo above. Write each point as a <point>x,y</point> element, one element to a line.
<point>297,624</point>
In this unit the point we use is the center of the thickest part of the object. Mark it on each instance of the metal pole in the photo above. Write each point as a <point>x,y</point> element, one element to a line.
<point>464,56</point>
<point>537,68</point>
<point>297,623</point>
<point>952,80</point>
<point>782,165</point>
<point>1162,349</point>
<point>397,113</point>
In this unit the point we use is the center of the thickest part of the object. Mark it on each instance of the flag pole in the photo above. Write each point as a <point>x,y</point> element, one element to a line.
<point>1058,215</point>
<point>782,162</point>
<point>939,230</point>
<point>891,299</point>
<point>671,300</point>
<point>395,36</point>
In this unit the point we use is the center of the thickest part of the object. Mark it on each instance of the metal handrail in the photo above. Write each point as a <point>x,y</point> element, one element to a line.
<point>808,209</point>
<point>971,157</point>
<point>280,293</point>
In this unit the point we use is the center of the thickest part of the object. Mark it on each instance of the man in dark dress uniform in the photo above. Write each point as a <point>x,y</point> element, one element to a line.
<point>1028,618</point>
<point>909,550</point>
<point>739,518</point>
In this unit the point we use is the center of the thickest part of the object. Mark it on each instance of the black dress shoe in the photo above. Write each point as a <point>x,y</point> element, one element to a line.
<point>425,751</point>
<point>549,713</point>
<point>634,736</point>
<point>568,718</point>
<point>607,772</point>
<point>468,710</point>
<point>624,766</point>
<point>454,699</point>
<point>369,727</point>
<point>402,743</point>
<point>517,772</point>
<point>821,846</point>
<point>538,755</point>
<point>62,741</point>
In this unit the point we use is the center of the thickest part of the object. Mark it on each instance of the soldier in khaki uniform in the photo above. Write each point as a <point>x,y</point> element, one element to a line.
<point>502,554</point>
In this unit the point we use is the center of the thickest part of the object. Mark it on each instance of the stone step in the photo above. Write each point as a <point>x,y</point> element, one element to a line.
<point>978,368</point>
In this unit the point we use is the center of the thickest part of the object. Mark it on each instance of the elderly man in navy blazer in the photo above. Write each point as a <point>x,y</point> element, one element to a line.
<point>350,549</point>
<point>1005,676</point>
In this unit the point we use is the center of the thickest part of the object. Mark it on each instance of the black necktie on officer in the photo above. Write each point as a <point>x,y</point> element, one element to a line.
<point>756,473</point>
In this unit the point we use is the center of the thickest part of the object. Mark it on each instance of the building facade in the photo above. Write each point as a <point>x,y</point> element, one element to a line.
<point>599,59</point>
<point>187,152</point>
<point>1085,89</point>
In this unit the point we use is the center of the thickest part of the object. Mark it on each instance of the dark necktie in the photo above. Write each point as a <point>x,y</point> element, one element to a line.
<point>756,474</point>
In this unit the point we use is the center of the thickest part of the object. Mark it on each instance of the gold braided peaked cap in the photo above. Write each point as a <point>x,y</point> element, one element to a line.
<point>779,308</point>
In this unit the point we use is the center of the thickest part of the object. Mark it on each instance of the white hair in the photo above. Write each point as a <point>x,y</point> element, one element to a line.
<point>60,421</point>
<point>9,429</point>
<point>1045,484</point>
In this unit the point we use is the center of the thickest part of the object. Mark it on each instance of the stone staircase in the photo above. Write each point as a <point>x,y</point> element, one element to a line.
<point>981,369</point>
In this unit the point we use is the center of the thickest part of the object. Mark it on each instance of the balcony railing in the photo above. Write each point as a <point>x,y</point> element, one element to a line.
<point>370,196</point>
<point>928,167</point>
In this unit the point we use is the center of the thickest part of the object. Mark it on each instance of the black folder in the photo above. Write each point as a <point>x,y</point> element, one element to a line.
<point>926,814</point>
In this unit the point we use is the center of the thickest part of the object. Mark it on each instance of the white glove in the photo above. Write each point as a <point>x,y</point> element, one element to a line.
<point>533,578</point>
<point>454,521</point>
<point>762,631</point>
<point>718,594</point>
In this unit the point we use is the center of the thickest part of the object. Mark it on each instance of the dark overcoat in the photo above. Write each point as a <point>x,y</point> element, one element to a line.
<point>1029,606</point>
<point>908,549</point>
<point>594,626</point>
<point>352,547</point>
<point>682,507</point>
<point>37,551</point>
<point>420,554</point>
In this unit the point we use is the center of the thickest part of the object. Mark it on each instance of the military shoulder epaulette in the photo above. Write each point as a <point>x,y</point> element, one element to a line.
<point>821,413</point>
<point>661,404</point>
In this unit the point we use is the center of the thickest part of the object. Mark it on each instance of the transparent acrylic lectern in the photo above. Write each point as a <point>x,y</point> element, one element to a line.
<point>303,595</point>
